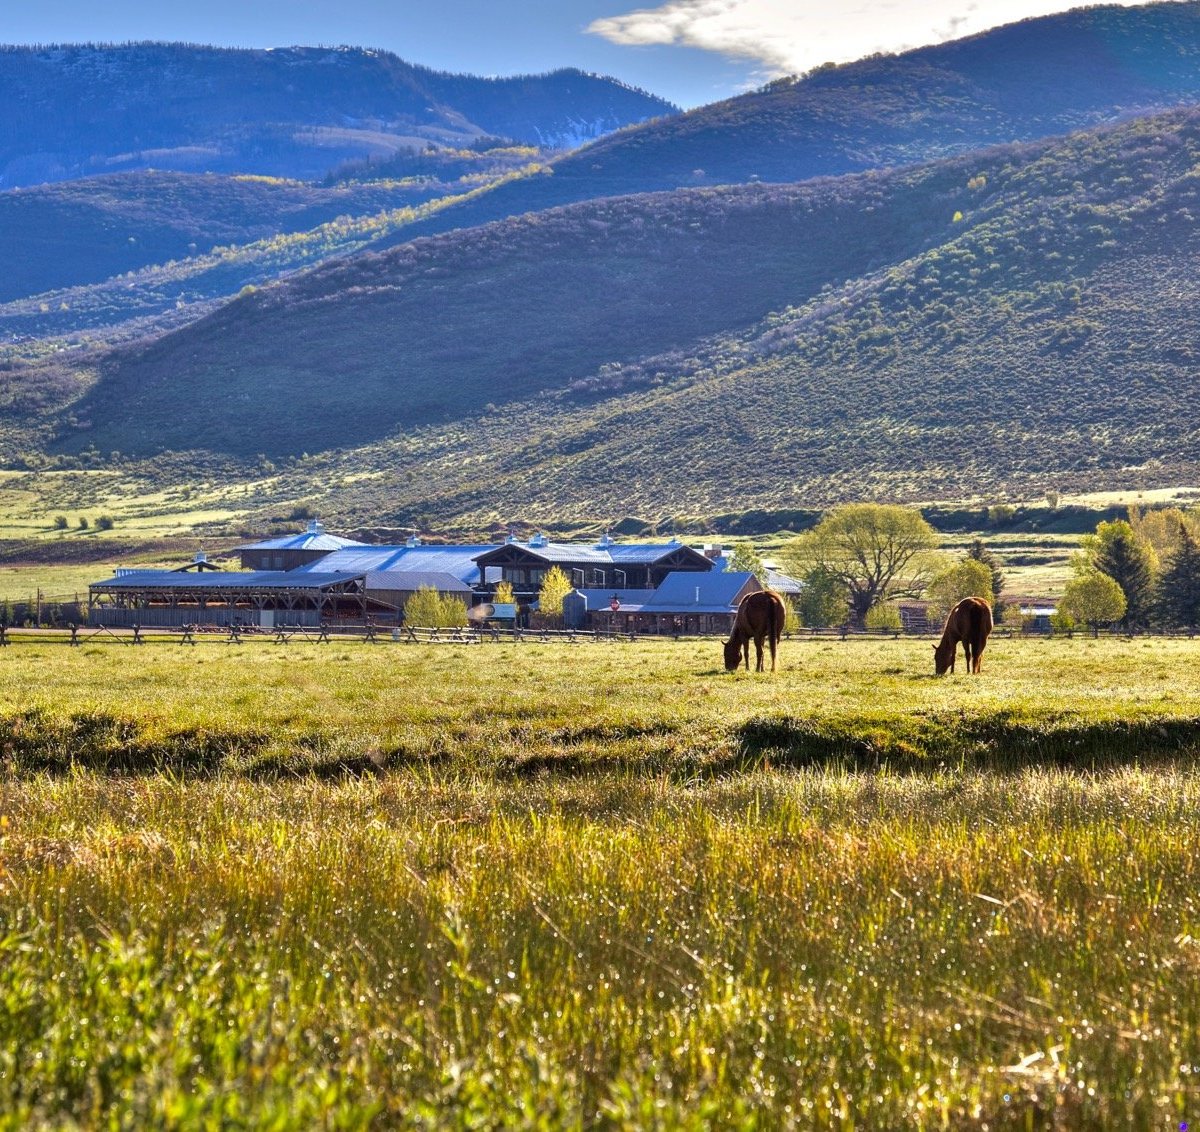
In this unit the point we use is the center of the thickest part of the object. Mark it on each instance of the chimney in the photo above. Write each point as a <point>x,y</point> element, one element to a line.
<point>200,558</point>
<point>315,527</point>
<point>713,550</point>
<point>412,541</point>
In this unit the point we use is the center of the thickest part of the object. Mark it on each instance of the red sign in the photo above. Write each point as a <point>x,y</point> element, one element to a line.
<point>615,604</point>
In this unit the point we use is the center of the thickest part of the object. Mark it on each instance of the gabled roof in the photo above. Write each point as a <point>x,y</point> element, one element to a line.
<point>315,538</point>
<point>597,554</point>
<point>457,561</point>
<point>691,591</point>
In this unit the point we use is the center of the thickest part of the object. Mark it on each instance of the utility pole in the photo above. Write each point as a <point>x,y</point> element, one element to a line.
<point>37,622</point>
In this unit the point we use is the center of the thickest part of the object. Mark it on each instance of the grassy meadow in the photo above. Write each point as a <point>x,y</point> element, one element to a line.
<point>602,885</point>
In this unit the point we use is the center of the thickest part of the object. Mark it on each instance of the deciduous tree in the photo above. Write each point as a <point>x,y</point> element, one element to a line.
<point>968,578</point>
<point>1093,599</point>
<point>745,558</point>
<point>555,586</point>
<point>876,551</point>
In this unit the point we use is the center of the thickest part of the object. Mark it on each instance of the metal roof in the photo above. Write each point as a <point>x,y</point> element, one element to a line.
<point>783,583</point>
<point>600,554</point>
<point>221,580</point>
<point>694,591</point>
<point>457,561</point>
<point>414,579</point>
<point>643,551</point>
<point>309,540</point>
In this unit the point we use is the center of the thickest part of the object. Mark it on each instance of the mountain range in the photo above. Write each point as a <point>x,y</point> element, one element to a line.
<point>886,297</point>
<point>79,110</point>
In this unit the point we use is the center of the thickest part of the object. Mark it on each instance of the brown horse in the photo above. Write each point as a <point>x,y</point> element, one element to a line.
<point>760,616</point>
<point>970,621</point>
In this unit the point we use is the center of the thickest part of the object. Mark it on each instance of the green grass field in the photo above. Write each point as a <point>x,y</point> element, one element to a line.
<point>598,885</point>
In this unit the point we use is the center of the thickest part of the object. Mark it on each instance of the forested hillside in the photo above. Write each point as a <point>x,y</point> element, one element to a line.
<point>1033,79</point>
<point>1012,317</point>
<point>78,110</point>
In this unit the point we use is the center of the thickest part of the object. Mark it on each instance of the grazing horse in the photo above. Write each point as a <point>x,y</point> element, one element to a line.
<point>760,616</point>
<point>970,621</point>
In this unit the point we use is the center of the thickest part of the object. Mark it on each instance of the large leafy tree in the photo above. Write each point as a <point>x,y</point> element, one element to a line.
<point>1179,586</point>
<point>968,578</point>
<point>823,601</point>
<point>1116,550</point>
<point>1093,599</point>
<point>876,551</point>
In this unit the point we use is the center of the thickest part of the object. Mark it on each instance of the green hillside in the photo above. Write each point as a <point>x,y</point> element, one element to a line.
<point>83,232</point>
<point>1011,320</point>
<point>268,240</point>
<point>1028,80</point>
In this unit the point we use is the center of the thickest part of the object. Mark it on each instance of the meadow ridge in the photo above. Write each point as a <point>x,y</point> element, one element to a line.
<point>601,885</point>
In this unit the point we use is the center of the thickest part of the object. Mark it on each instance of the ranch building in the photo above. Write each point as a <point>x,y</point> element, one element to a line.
<point>686,602</point>
<point>316,578</point>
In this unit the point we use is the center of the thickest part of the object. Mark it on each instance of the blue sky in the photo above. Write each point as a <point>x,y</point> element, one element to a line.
<point>690,51</point>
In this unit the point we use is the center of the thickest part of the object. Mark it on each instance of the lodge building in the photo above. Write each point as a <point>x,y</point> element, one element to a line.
<point>315,578</point>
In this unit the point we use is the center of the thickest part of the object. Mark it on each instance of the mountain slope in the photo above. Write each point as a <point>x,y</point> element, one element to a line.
<point>80,232</point>
<point>1033,79</point>
<point>1012,314</point>
<point>73,111</point>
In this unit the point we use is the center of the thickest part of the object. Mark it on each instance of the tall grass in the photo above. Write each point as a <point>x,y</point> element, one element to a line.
<point>479,941</point>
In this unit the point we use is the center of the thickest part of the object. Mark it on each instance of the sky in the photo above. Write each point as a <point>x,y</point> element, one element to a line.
<point>688,51</point>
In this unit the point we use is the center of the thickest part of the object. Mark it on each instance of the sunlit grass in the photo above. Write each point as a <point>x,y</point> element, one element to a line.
<point>599,886</point>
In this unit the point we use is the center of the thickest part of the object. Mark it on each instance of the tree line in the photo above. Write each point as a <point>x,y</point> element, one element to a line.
<point>1137,574</point>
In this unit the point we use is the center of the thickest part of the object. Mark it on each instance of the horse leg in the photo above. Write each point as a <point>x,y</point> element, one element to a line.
<point>969,656</point>
<point>774,645</point>
<point>746,652</point>
<point>758,652</point>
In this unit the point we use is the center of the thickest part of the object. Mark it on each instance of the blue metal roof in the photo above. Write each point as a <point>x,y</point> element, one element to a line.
<point>602,553</point>
<point>647,552</point>
<point>693,591</point>
<point>315,538</point>
<point>221,580</point>
<point>457,561</point>
<point>414,580</point>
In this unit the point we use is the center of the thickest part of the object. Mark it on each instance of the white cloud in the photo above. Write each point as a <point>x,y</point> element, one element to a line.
<point>792,36</point>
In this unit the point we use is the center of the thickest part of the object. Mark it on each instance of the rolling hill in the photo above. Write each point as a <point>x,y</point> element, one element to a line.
<point>78,110</point>
<point>1013,318</point>
<point>1037,78</point>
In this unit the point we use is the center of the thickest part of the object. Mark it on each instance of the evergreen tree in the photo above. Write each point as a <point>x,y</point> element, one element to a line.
<point>1118,552</point>
<point>1178,603</point>
<point>980,553</point>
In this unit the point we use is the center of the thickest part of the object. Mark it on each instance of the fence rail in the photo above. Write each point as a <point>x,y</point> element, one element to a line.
<point>469,635</point>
